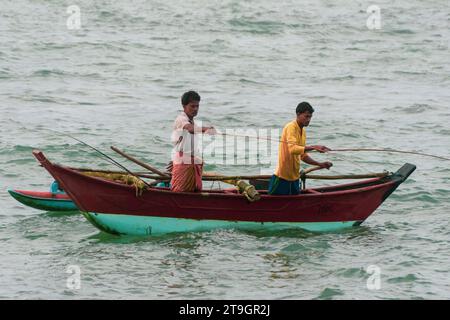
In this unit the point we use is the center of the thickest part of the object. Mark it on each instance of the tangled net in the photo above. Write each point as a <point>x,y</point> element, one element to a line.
<point>127,179</point>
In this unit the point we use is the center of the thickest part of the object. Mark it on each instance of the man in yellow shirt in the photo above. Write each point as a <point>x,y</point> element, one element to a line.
<point>292,149</point>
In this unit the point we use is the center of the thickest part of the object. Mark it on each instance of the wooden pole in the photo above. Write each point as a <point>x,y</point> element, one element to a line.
<point>348,176</point>
<point>323,177</point>
<point>144,165</point>
<point>138,173</point>
<point>261,177</point>
<point>311,169</point>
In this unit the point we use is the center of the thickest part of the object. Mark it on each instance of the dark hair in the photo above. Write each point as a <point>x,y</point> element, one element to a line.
<point>304,107</point>
<point>189,97</point>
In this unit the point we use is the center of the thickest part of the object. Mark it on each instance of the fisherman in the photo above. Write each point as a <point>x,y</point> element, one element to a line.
<point>292,149</point>
<point>187,163</point>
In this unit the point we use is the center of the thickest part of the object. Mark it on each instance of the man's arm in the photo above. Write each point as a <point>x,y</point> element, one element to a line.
<point>209,130</point>
<point>307,159</point>
<point>193,129</point>
<point>321,149</point>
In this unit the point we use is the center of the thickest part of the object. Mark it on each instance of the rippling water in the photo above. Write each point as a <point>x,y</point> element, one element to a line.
<point>117,81</point>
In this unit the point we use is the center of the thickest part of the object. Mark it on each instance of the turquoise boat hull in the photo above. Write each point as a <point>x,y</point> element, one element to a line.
<point>150,225</point>
<point>44,200</point>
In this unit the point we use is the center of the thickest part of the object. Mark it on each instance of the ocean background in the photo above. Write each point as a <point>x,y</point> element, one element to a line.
<point>118,79</point>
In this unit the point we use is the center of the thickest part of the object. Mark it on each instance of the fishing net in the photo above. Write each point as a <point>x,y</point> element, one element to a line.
<point>127,179</point>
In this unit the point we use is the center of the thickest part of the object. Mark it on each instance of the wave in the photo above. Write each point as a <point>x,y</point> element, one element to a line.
<point>47,72</point>
<point>408,278</point>
<point>57,72</point>
<point>257,27</point>
<point>339,78</point>
<point>329,293</point>
<point>414,73</point>
<point>401,31</point>
<point>422,196</point>
<point>416,108</point>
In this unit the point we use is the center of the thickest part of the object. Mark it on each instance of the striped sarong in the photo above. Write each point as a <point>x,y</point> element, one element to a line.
<point>186,177</point>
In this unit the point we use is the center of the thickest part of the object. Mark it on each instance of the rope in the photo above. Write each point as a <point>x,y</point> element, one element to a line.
<point>345,159</point>
<point>111,160</point>
<point>389,150</point>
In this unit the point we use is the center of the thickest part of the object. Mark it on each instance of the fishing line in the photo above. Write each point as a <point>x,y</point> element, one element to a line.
<point>95,154</point>
<point>388,150</point>
<point>111,160</point>
<point>287,142</point>
<point>345,159</point>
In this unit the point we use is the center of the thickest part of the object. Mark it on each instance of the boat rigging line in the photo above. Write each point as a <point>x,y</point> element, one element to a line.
<point>388,150</point>
<point>111,160</point>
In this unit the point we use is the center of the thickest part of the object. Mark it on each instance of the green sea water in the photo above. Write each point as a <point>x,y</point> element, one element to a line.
<point>118,80</point>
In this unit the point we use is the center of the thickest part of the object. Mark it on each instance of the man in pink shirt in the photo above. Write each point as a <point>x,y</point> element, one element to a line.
<point>187,162</point>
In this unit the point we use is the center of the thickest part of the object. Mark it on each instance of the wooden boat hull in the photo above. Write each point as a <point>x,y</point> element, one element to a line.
<point>48,201</point>
<point>115,208</point>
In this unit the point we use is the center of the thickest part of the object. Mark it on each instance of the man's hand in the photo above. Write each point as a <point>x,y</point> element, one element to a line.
<point>326,165</point>
<point>321,149</point>
<point>210,130</point>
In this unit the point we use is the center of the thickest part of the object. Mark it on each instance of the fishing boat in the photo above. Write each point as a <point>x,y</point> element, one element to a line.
<point>53,200</point>
<point>118,209</point>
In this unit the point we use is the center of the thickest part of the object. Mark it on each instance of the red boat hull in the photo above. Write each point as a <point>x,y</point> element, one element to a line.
<point>349,202</point>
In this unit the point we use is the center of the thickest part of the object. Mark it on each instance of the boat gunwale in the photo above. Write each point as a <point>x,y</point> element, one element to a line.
<point>389,180</point>
<point>21,193</point>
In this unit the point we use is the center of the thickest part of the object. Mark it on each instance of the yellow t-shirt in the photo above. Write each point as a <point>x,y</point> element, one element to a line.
<point>289,154</point>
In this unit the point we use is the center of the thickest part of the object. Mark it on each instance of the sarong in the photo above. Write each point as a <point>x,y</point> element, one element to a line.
<point>186,177</point>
